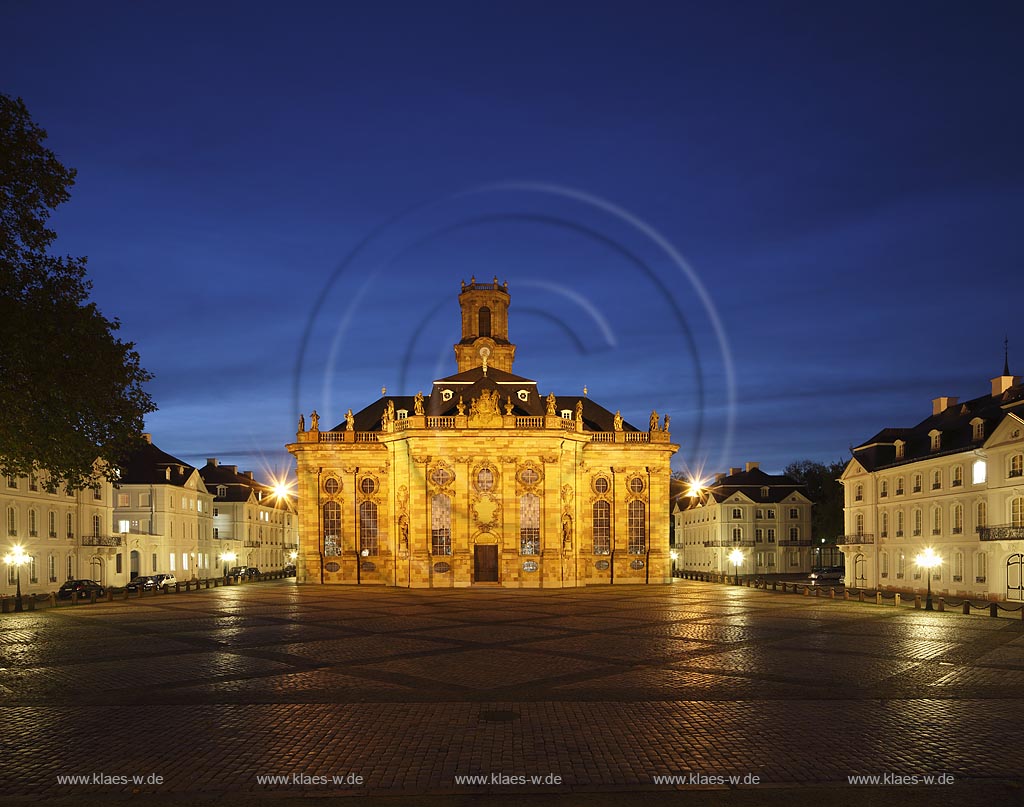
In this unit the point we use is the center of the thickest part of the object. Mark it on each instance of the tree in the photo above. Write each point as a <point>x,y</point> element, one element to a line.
<point>71,393</point>
<point>825,491</point>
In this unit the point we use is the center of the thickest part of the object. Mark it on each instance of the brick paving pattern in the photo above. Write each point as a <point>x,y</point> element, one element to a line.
<point>603,687</point>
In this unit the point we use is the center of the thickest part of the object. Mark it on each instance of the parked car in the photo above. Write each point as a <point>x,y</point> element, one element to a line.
<point>289,570</point>
<point>164,581</point>
<point>144,582</point>
<point>251,571</point>
<point>243,571</point>
<point>827,574</point>
<point>82,587</point>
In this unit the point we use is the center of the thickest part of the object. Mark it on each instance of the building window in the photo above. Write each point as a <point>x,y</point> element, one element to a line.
<point>51,568</point>
<point>529,524</point>
<point>737,534</point>
<point>981,568</point>
<point>12,521</point>
<point>33,483</point>
<point>759,514</point>
<point>368,542</point>
<point>958,519</point>
<point>901,566</point>
<point>485,480</point>
<point>171,556</point>
<point>794,533</point>
<point>216,532</point>
<point>1017,465</point>
<point>484,321</point>
<point>96,525</point>
<point>636,485</point>
<point>12,482</point>
<point>859,522</point>
<point>758,536</point>
<point>794,558</point>
<point>637,528</point>
<point>936,440</point>
<point>602,528</point>
<point>982,514</point>
<point>900,450</point>
<point>600,484</point>
<point>936,480</point>
<point>979,430</point>
<point>97,492</point>
<point>936,521</point>
<point>917,483</point>
<point>884,531</point>
<point>1017,512</point>
<point>764,493</point>
<point>770,558</point>
<point>367,485</point>
<point>771,514</point>
<point>51,520</point>
<point>331,487</point>
<point>33,523</point>
<point>899,485</point>
<point>440,525</point>
<point>883,489</point>
<point>794,512</point>
<point>958,567</point>
<point>979,472</point>
<point>332,529</point>
<point>899,523</point>
<point>70,525</point>
<point>858,493</point>
<point>883,564</point>
<point>958,476</point>
<point>771,536</point>
<point>737,513</point>
<point>441,476</point>
<point>918,521</point>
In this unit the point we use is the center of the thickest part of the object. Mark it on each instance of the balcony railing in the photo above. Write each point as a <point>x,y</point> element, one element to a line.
<point>440,422</point>
<point>859,538</point>
<point>529,422</point>
<point>794,542</point>
<point>1001,532</point>
<point>101,540</point>
<point>729,543</point>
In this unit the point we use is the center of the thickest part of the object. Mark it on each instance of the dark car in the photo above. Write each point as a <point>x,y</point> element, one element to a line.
<point>144,582</point>
<point>243,571</point>
<point>289,570</point>
<point>81,587</point>
<point>251,571</point>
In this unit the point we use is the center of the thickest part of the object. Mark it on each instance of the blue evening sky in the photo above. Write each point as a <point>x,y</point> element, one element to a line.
<point>801,219</point>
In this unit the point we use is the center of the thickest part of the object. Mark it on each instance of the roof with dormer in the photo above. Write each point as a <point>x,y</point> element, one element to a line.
<point>148,465</point>
<point>756,485</point>
<point>955,426</point>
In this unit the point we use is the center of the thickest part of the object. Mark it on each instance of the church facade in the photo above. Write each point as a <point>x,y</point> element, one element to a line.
<point>484,481</point>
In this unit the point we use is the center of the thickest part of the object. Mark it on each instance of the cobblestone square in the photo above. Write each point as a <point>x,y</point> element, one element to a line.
<point>599,692</point>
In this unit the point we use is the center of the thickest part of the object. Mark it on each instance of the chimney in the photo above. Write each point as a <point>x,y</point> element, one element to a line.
<point>247,473</point>
<point>752,465</point>
<point>232,468</point>
<point>719,478</point>
<point>147,437</point>
<point>734,471</point>
<point>1002,383</point>
<point>211,461</point>
<point>942,403</point>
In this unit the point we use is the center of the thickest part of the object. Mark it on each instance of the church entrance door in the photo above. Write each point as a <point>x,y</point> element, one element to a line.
<point>485,563</point>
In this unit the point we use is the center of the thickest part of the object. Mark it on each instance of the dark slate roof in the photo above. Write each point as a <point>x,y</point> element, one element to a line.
<point>476,373</point>
<point>954,424</point>
<point>751,484</point>
<point>148,465</point>
<point>239,487</point>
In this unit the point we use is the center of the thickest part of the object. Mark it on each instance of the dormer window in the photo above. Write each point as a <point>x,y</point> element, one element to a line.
<point>567,414</point>
<point>936,437</point>
<point>446,394</point>
<point>402,414</point>
<point>764,493</point>
<point>978,426</point>
<point>523,395</point>
<point>900,449</point>
<point>221,491</point>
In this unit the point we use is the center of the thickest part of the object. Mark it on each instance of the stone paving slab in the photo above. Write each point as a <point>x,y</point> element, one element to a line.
<point>605,688</point>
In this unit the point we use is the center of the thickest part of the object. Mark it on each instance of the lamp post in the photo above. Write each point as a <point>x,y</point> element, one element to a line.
<point>736,558</point>
<point>674,557</point>
<point>17,558</point>
<point>226,558</point>
<point>927,560</point>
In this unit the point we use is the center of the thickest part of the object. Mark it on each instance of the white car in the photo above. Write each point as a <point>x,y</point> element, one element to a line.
<point>164,581</point>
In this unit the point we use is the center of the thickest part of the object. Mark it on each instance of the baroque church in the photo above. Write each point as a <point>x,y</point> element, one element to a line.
<point>486,480</point>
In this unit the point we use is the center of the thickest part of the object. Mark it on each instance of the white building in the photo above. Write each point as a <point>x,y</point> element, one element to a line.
<point>955,483</point>
<point>67,534</point>
<point>767,517</point>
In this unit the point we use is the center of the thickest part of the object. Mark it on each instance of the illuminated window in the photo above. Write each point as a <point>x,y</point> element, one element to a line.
<point>368,541</point>
<point>1017,512</point>
<point>936,437</point>
<point>529,524</point>
<point>332,529</point>
<point>979,429</point>
<point>440,525</point>
<point>602,528</point>
<point>979,472</point>
<point>901,566</point>
<point>859,493</point>
<point>637,528</point>
<point>1017,465</point>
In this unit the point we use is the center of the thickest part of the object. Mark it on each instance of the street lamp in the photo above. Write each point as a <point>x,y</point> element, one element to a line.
<point>228,557</point>
<point>674,557</point>
<point>736,558</point>
<point>927,560</point>
<point>17,558</point>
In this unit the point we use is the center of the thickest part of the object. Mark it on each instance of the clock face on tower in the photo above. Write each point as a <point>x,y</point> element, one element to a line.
<point>484,352</point>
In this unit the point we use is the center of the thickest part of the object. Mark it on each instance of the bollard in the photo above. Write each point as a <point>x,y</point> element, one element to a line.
<point>31,602</point>
<point>5,605</point>
<point>177,588</point>
<point>942,604</point>
<point>832,593</point>
<point>807,592</point>
<point>993,610</point>
<point>896,599</point>
<point>126,593</point>
<point>846,594</point>
<point>967,607</point>
<point>917,601</point>
<point>92,597</point>
<point>860,596</point>
<point>878,598</point>
<point>774,586</point>
<point>817,591</point>
<point>110,595</point>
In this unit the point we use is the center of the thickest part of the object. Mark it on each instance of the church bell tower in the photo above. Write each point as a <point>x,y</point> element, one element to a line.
<point>484,327</point>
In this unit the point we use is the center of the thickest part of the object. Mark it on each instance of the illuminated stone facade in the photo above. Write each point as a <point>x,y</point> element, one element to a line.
<point>484,481</point>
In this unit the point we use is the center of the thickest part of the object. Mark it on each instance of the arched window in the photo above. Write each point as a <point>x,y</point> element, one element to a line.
<point>958,476</point>
<point>637,528</point>
<point>917,522</point>
<point>484,322</point>
<point>884,532</point>
<point>859,494</point>
<point>33,523</point>
<point>982,514</point>
<point>1017,465</point>
<point>440,525</point>
<point>917,483</point>
<point>368,542</point>
<point>883,489</point>
<point>899,523</point>
<point>332,529</point>
<point>12,521</point>
<point>95,525</point>
<point>883,564</point>
<point>529,524</point>
<point>1017,512</point>
<point>958,519</point>
<point>602,528</point>
<point>936,521</point>
<point>936,479</point>
<point>981,567</point>
<point>859,521</point>
<point>70,525</point>
<point>52,524</point>
<point>901,565</point>
<point>899,485</point>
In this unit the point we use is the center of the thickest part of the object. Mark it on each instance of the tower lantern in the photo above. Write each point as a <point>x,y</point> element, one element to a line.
<point>484,326</point>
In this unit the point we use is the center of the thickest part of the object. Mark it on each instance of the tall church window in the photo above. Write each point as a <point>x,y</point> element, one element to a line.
<point>602,528</point>
<point>332,529</point>
<point>368,540</point>
<point>484,322</point>
<point>440,525</point>
<point>637,524</point>
<point>529,524</point>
